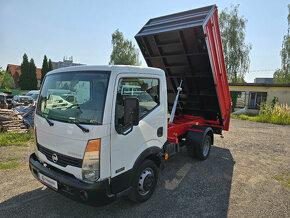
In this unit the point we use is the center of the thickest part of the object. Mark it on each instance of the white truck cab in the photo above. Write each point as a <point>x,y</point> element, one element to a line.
<point>88,140</point>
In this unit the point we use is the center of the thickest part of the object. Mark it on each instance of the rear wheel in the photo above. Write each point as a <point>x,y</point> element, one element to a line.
<point>200,150</point>
<point>144,181</point>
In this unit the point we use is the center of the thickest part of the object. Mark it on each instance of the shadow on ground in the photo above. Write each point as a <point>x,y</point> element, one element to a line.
<point>186,188</point>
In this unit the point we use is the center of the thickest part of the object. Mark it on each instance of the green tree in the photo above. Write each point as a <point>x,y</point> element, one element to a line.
<point>50,67</point>
<point>6,80</point>
<point>44,68</point>
<point>24,80</point>
<point>124,51</point>
<point>234,97</point>
<point>282,75</point>
<point>32,75</point>
<point>236,51</point>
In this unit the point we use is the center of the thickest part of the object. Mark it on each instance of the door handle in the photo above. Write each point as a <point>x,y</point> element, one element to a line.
<point>160,132</point>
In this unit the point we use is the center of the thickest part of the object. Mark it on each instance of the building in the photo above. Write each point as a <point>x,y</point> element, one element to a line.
<point>264,80</point>
<point>15,71</point>
<point>251,95</point>
<point>65,63</point>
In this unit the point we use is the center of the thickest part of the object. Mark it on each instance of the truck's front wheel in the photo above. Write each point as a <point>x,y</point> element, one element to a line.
<point>144,181</point>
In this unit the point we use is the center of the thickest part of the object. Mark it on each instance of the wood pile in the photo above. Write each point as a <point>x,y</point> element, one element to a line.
<point>12,121</point>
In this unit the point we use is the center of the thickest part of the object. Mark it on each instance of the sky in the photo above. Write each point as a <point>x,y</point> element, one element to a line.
<point>83,28</point>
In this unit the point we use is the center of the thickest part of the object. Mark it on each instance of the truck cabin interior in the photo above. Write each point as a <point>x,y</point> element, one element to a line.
<point>176,43</point>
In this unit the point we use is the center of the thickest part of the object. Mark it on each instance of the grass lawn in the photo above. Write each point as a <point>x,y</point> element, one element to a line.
<point>8,165</point>
<point>284,178</point>
<point>14,149</point>
<point>7,138</point>
<point>261,118</point>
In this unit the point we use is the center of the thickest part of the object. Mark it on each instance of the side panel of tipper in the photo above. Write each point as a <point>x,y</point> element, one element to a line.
<point>187,46</point>
<point>218,67</point>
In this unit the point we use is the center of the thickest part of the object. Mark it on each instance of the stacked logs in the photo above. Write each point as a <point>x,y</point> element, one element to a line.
<point>11,121</point>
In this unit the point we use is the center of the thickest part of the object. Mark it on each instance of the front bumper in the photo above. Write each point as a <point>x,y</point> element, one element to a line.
<point>95,194</point>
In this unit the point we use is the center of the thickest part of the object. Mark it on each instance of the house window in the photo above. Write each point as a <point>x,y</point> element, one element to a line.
<point>256,99</point>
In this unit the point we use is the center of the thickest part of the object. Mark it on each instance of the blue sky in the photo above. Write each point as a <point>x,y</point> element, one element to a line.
<point>83,29</point>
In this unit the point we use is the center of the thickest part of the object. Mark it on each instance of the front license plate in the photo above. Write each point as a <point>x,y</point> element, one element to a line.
<point>48,181</point>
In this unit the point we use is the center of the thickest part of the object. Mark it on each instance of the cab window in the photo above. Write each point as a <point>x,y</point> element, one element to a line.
<point>145,89</point>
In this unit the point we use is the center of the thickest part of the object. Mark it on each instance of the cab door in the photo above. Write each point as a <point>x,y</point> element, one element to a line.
<point>125,149</point>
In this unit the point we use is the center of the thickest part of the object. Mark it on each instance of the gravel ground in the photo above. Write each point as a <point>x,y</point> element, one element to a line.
<point>246,175</point>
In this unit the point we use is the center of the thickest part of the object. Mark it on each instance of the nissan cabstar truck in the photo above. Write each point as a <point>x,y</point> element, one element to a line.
<point>102,132</point>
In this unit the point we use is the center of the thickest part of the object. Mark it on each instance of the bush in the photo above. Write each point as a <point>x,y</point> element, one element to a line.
<point>278,114</point>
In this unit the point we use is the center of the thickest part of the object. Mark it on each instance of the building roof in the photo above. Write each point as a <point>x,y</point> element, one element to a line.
<point>17,69</point>
<point>263,80</point>
<point>259,84</point>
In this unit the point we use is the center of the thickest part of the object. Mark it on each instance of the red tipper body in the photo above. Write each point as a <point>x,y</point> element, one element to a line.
<point>187,46</point>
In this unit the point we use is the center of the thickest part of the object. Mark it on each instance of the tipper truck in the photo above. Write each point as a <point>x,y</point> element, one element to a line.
<point>102,132</point>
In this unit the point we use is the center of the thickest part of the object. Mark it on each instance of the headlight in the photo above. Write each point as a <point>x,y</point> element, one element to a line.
<point>91,161</point>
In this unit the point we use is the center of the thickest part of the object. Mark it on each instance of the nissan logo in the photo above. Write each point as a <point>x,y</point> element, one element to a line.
<point>54,158</point>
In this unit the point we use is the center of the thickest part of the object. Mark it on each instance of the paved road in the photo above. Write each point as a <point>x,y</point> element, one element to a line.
<point>238,180</point>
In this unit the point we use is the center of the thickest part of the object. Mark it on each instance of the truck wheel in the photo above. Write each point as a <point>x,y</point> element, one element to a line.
<point>200,150</point>
<point>144,181</point>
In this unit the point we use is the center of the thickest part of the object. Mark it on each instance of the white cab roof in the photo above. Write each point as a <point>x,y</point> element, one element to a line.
<point>113,68</point>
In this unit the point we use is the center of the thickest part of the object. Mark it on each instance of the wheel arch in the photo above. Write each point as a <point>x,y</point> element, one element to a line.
<point>197,136</point>
<point>152,153</point>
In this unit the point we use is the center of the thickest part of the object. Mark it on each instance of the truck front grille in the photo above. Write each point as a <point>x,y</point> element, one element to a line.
<point>63,160</point>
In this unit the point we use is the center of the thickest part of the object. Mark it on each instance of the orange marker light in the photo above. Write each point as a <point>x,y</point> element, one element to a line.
<point>93,145</point>
<point>166,156</point>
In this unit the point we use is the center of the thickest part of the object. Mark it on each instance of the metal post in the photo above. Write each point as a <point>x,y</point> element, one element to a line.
<point>175,103</point>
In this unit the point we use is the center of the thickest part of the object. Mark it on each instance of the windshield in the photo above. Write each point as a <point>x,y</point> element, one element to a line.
<point>74,97</point>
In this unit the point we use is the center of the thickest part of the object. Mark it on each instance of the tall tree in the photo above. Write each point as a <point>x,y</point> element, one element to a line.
<point>282,75</point>
<point>124,51</point>
<point>24,81</point>
<point>236,51</point>
<point>32,75</point>
<point>50,67</point>
<point>44,68</point>
<point>6,80</point>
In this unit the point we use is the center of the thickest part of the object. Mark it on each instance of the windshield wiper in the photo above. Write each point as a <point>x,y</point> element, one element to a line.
<point>82,128</point>
<point>47,120</point>
<point>85,130</point>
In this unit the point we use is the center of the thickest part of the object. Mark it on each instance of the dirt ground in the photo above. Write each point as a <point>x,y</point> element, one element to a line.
<point>246,175</point>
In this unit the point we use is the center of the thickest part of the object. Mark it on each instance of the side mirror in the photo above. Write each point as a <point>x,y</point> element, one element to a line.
<point>131,114</point>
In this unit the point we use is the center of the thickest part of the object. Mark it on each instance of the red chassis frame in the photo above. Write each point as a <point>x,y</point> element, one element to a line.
<point>184,123</point>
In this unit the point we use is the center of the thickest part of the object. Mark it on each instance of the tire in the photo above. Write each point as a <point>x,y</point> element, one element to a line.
<point>144,182</point>
<point>200,150</point>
